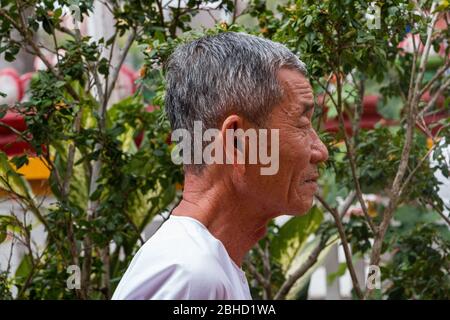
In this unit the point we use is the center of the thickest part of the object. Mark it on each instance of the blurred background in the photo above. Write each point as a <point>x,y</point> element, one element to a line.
<point>86,174</point>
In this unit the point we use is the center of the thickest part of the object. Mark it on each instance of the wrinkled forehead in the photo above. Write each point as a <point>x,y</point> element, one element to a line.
<point>296,88</point>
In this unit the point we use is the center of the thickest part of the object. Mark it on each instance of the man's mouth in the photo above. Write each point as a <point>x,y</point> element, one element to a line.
<point>312,179</point>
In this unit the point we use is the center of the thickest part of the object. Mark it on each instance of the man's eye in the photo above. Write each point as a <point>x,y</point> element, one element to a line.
<point>304,123</point>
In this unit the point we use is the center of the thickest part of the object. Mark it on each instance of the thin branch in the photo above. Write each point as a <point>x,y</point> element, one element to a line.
<point>111,54</point>
<point>66,189</point>
<point>26,37</point>
<point>121,59</point>
<point>266,268</point>
<point>47,161</point>
<point>17,132</point>
<point>293,277</point>
<point>105,3</point>
<point>359,107</point>
<point>426,51</point>
<point>351,155</point>
<point>233,19</point>
<point>413,99</point>
<point>71,157</point>
<point>175,18</point>
<point>8,266</point>
<point>436,76</point>
<point>258,276</point>
<point>32,207</point>
<point>134,226</point>
<point>347,203</point>
<point>106,274</point>
<point>412,172</point>
<point>161,14</point>
<point>413,70</point>
<point>348,256</point>
<point>326,90</point>
<point>446,219</point>
<point>436,96</point>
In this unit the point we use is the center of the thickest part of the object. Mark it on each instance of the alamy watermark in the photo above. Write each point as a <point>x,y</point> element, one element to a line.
<point>373,16</point>
<point>260,151</point>
<point>74,279</point>
<point>373,278</point>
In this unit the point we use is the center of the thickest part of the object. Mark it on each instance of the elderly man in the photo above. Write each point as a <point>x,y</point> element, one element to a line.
<point>229,81</point>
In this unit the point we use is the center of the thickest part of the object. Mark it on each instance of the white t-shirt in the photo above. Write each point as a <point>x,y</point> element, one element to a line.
<point>183,260</point>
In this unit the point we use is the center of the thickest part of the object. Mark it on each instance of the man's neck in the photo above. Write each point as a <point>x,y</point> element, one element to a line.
<point>228,218</point>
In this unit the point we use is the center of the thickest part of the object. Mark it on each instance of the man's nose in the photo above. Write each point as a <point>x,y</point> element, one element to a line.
<point>319,151</point>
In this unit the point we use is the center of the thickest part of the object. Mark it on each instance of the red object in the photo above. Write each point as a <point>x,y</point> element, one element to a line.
<point>12,145</point>
<point>371,116</point>
<point>140,137</point>
<point>133,76</point>
<point>25,80</point>
<point>13,120</point>
<point>10,142</point>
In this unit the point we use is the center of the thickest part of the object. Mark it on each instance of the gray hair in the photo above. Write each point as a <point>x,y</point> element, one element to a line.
<point>214,76</point>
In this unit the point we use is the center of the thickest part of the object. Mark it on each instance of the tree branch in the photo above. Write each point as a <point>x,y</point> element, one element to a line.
<point>28,40</point>
<point>394,195</point>
<point>348,256</point>
<point>293,277</point>
<point>351,155</point>
<point>116,69</point>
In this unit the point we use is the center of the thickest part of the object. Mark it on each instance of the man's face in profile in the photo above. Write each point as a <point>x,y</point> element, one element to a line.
<point>292,189</point>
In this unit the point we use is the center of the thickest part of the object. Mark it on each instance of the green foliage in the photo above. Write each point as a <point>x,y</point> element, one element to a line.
<point>332,35</point>
<point>347,58</point>
<point>71,131</point>
<point>293,235</point>
<point>422,251</point>
<point>287,246</point>
<point>72,134</point>
<point>5,287</point>
<point>358,235</point>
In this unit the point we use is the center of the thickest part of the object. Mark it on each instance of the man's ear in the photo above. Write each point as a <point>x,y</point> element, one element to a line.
<point>233,141</point>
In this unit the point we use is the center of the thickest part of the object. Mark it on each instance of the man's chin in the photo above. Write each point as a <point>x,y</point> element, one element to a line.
<point>300,210</point>
<point>298,214</point>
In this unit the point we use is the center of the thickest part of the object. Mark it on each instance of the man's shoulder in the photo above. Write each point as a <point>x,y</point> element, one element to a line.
<point>177,263</point>
<point>199,277</point>
<point>185,242</point>
<point>185,258</point>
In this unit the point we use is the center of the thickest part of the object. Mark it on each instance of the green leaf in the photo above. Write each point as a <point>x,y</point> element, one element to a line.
<point>10,180</point>
<point>308,21</point>
<point>25,267</point>
<point>20,161</point>
<point>47,25</point>
<point>339,273</point>
<point>78,192</point>
<point>390,108</point>
<point>302,257</point>
<point>3,233</point>
<point>97,193</point>
<point>57,13</point>
<point>9,56</point>
<point>60,84</point>
<point>5,222</point>
<point>293,234</point>
<point>103,66</point>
